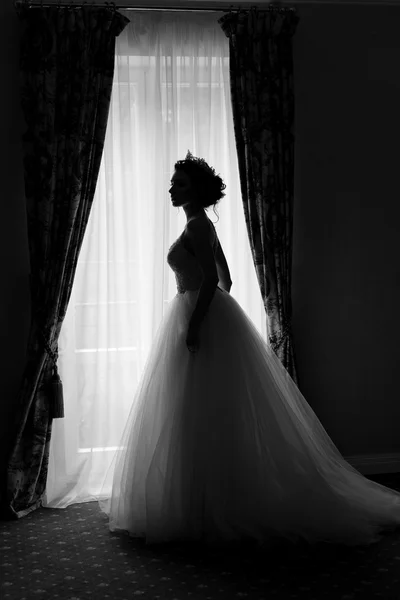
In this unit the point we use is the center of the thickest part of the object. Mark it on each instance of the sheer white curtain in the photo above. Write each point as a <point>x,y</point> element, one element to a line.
<point>171,93</point>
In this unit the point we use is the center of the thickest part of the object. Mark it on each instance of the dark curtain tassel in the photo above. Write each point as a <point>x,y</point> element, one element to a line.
<point>56,396</point>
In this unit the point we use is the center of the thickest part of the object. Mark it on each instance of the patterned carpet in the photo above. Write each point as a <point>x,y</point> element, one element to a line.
<point>71,555</point>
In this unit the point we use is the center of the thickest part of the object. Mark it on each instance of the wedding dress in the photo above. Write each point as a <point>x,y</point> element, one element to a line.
<point>220,446</point>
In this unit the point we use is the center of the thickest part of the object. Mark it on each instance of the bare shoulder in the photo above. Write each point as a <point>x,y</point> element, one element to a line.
<point>198,222</point>
<point>200,227</point>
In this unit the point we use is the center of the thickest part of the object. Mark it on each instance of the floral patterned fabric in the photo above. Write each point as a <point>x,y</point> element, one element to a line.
<point>67,68</point>
<point>261,74</point>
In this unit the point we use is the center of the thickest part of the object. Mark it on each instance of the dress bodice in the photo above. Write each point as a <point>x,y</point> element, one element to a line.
<point>183,262</point>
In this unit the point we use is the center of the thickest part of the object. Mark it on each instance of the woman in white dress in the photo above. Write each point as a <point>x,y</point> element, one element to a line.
<point>220,445</point>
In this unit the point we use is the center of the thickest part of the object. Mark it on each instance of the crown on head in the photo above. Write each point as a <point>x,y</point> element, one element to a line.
<point>201,163</point>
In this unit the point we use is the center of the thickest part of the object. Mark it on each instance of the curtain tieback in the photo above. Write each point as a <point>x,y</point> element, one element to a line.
<point>55,384</point>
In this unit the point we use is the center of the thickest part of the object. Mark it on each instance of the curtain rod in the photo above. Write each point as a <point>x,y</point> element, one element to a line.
<point>209,7</point>
<point>199,7</point>
<point>222,7</point>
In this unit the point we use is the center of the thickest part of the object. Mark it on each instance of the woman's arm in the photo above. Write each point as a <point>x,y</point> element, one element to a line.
<point>223,269</point>
<point>198,233</point>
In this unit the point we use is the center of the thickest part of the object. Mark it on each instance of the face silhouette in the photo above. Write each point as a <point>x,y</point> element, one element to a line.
<point>181,189</point>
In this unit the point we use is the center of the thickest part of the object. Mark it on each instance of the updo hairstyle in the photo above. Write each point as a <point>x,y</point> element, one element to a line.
<point>208,186</point>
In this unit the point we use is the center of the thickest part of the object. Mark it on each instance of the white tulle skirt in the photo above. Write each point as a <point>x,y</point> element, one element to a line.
<point>220,446</point>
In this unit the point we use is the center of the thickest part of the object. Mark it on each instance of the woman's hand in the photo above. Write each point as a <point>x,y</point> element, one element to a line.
<point>192,338</point>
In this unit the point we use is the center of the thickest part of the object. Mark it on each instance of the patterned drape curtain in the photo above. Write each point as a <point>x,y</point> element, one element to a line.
<point>261,75</point>
<point>66,69</point>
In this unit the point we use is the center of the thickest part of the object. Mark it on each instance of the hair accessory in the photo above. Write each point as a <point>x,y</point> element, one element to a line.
<point>201,163</point>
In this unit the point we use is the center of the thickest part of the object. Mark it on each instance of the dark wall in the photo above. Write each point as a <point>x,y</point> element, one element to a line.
<point>346,268</point>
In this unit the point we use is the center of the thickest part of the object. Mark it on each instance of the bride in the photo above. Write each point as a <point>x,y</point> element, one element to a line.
<point>220,446</point>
